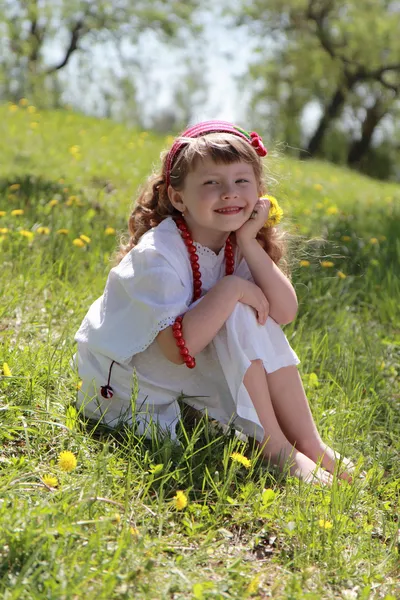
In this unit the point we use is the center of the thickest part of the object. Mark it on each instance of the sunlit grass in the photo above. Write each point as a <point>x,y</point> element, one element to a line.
<point>94,515</point>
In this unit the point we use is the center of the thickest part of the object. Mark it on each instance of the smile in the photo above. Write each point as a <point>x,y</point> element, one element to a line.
<point>233,210</point>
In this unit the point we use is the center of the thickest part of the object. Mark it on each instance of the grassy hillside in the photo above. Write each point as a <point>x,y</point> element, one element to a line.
<point>113,527</point>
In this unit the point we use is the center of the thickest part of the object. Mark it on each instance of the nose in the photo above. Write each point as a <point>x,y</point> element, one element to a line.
<point>229,191</point>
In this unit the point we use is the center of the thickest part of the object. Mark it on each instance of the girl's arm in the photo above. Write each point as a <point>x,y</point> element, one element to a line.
<point>275,285</point>
<point>201,324</point>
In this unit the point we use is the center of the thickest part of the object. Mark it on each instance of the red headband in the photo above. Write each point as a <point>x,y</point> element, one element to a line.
<point>212,127</point>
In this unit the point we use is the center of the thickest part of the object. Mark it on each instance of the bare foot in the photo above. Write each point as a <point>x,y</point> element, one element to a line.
<point>301,466</point>
<point>333,462</point>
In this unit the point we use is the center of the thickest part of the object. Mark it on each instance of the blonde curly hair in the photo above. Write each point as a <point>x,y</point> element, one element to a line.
<point>153,204</point>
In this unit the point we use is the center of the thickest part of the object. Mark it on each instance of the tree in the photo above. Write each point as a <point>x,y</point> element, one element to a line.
<point>337,53</point>
<point>29,28</point>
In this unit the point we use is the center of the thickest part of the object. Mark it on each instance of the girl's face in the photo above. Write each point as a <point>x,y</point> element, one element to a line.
<point>218,199</point>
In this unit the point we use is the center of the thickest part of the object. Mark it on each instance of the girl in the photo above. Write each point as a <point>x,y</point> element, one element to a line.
<point>195,307</point>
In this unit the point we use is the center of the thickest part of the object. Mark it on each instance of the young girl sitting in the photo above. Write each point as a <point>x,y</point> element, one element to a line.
<point>195,307</point>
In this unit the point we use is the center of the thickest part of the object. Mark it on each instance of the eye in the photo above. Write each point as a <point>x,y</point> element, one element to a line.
<point>242,181</point>
<point>210,182</point>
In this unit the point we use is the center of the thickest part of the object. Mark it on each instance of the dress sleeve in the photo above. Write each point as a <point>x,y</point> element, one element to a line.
<point>144,294</point>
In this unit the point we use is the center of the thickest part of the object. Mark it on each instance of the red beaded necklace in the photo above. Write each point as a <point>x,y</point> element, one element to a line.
<point>194,261</point>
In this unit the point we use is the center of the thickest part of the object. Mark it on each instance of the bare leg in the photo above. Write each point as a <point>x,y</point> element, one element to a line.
<point>294,416</point>
<point>276,446</point>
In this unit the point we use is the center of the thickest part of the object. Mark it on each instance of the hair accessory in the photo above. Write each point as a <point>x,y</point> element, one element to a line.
<point>211,127</point>
<point>194,261</point>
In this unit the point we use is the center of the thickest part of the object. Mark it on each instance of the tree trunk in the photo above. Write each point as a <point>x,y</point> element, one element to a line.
<point>360,147</point>
<point>331,112</point>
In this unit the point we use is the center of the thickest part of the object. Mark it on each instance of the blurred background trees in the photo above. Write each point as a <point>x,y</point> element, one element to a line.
<point>341,57</point>
<point>324,77</point>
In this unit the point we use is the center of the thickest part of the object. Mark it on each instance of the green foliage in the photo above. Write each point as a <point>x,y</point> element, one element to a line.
<point>315,50</point>
<point>29,28</point>
<point>112,527</point>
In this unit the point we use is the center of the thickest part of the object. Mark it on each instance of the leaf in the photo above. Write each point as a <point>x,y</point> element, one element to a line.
<point>268,496</point>
<point>156,469</point>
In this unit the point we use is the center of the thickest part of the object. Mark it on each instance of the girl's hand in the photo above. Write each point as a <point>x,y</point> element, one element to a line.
<point>252,295</point>
<point>249,230</point>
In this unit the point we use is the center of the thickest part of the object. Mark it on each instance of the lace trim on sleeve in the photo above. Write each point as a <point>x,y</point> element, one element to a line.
<point>161,325</point>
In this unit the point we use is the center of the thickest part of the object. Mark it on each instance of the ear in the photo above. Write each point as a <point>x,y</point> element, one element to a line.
<point>175,197</point>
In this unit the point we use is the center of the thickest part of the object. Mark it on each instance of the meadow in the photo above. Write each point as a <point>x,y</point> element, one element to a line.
<point>102,515</point>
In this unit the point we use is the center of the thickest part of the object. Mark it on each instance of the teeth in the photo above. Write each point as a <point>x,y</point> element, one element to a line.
<point>228,210</point>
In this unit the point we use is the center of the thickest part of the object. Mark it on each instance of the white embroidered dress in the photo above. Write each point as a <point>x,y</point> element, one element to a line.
<point>144,294</point>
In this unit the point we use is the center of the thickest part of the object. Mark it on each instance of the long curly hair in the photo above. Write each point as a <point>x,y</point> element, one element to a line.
<point>153,205</point>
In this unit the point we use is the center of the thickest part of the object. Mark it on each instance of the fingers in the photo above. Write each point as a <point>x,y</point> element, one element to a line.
<point>263,312</point>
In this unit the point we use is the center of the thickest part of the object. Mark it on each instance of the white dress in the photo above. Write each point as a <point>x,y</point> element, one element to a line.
<point>144,294</point>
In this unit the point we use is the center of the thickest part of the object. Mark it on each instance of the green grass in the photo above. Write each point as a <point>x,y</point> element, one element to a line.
<point>110,529</point>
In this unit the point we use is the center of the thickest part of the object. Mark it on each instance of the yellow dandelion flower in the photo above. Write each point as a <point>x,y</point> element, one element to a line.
<point>117,518</point>
<point>73,200</point>
<point>53,202</point>
<point>253,586</point>
<point>341,275</point>
<point>74,150</point>
<point>237,457</point>
<point>307,211</point>
<point>318,187</point>
<point>275,212</point>
<point>62,231</point>
<point>14,186</point>
<point>28,234</point>
<point>180,500</point>
<point>109,231</point>
<point>327,263</point>
<point>319,205</point>
<point>43,230</point>
<point>332,210</point>
<point>79,385</point>
<point>3,213</point>
<point>4,230</point>
<point>13,107</point>
<point>373,240</point>
<point>23,102</point>
<point>34,124</point>
<point>31,109</point>
<point>346,238</point>
<point>50,480</point>
<point>85,238</point>
<point>325,524</point>
<point>67,461</point>
<point>134,531</point>
<point>304,263</point>
<point>313,380</point>
<point>17,212</point>
<point>78,243</point>
<point>6,370</point>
